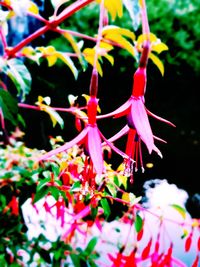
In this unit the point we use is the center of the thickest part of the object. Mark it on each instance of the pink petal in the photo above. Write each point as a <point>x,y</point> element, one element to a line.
<point>95,149</point>
<point>141,122</point>
<point>114,148</point>
<point>159,139</point>
<point>119,112</point>
<point>79,138</point>
<point>159,118</point>
<point>122,132</point>
<point>157,151</point>
<point>82,213</point>
<point>178,262</point>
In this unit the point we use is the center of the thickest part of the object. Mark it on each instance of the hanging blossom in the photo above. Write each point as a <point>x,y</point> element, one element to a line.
<point>138,126</point>
<point>91,137</point>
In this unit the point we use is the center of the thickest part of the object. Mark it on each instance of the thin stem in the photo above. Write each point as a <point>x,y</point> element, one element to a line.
<point>94,77</point>
<point>3,38</point>
<point>6,5</point>
<point>51,25</point>
<point>145,23</point>
<point>77,34</point>
<point>146,32</point>
<point>71,10</point>
<point>29,39</point>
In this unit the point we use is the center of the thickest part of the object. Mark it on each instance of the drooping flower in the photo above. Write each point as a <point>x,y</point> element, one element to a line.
<point>91,138</point>
<point>138,126</point>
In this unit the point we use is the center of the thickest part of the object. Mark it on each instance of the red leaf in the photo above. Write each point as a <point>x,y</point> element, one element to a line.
<point>145,252</point>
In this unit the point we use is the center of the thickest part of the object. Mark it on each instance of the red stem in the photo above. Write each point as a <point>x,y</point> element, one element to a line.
<point>51,25</point>
<point>3,38</point>
<point>146,32</point>
<point>71,10</point>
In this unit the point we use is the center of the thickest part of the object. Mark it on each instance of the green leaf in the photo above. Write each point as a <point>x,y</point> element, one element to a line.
<point>54,191</point>
<point>112,189</point>
<point>43,183</point>
<point>138,223</point>
<point>67,60</point>
<point>20,76</point>
<point>105,206</point>
<point>8,105</point>
<point>41,193</point>
<point>76,186</point>
<point>93,212</point>
<point>180,209</point>
<point>76,260</point>
<point>91,245</point>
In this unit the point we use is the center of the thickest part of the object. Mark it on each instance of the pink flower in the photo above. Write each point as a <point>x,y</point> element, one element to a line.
<point>138,126</point>
<point>91,138</point>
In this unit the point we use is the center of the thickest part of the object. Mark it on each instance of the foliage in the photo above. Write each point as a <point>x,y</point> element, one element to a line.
<point>80,211</point>
<point>73,184</point>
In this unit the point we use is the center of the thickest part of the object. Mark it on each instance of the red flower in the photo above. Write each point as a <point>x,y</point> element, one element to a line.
<point>14,206</point>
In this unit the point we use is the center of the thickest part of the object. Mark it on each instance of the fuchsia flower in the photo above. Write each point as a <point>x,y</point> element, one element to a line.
<point>138,127</point>
<point>91,138</point>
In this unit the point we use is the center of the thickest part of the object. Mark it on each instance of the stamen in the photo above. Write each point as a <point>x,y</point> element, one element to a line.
<point>140,155</point>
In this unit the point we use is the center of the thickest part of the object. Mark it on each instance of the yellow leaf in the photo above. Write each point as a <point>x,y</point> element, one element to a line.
<point>74,45</point>
<point>121,41</point>
<point>122,180</point>
<point>160,47</point>
<point>143,37</point>
<point>67,60</point>
<point>87,98</point>
<point>116,34</point>
<point>110,59</point>
<point>63,165</point>
<point>49,50</point>
<point>114,7</point>
<point>72,99</point>
<point>55,117</point>
<point>33,8</point>
<point>126,197</point>
<point>106,46</point>
<point>89,57</point>
<point>117,30</point>
<point>28,51</point>
<point>51,60</point>
<point>157,62</point>
<point>46,50</point>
